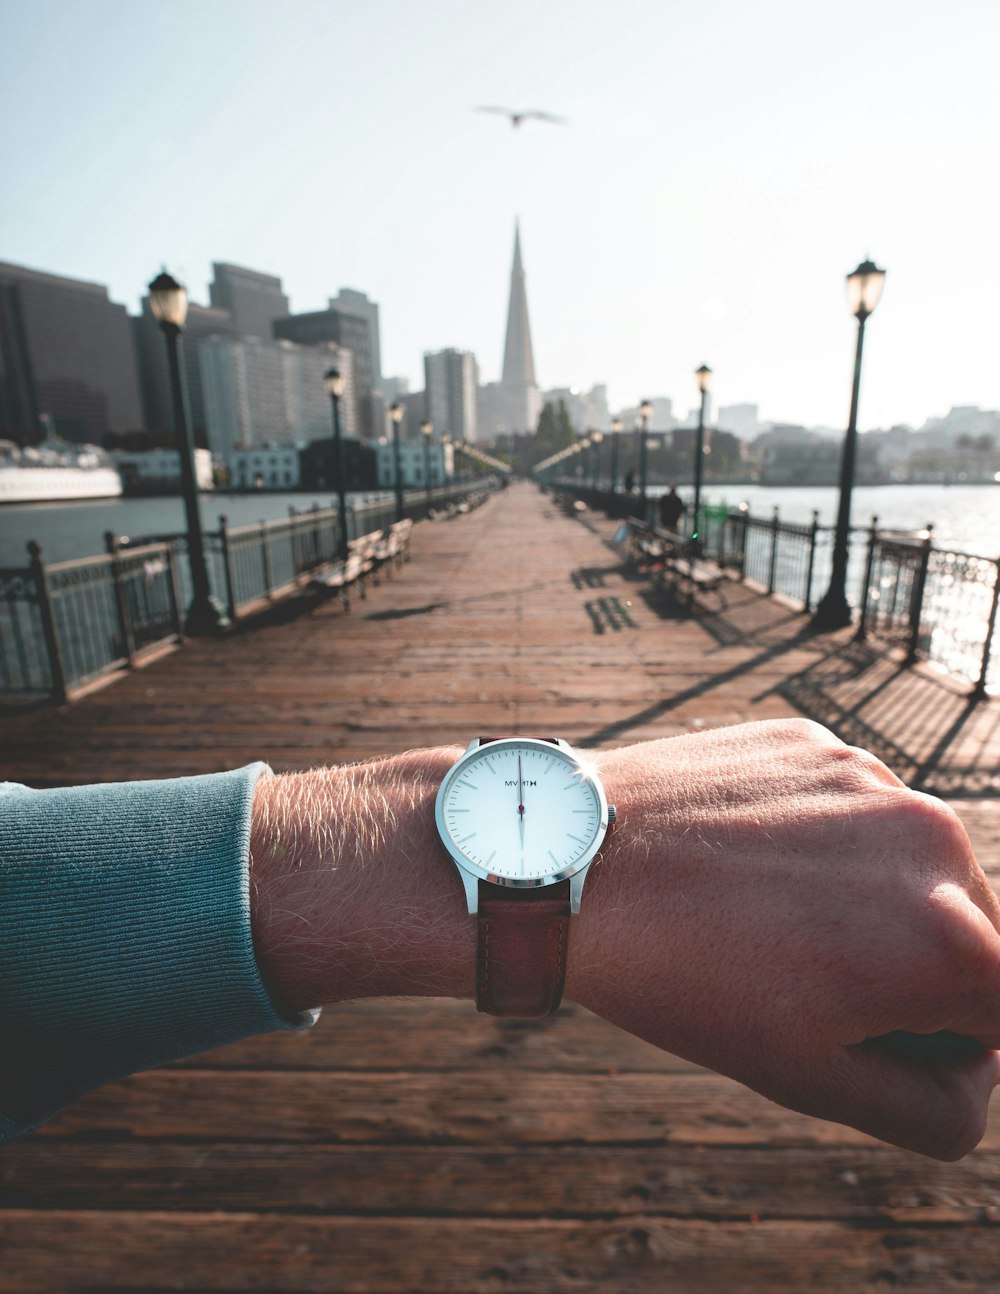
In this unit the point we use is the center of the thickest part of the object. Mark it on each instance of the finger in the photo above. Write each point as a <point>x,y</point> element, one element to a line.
<point>920,1101</point>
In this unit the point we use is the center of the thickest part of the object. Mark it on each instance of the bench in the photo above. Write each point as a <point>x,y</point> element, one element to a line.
<point>666,555</point>
<point>393,545</point>
<point>339,577</point>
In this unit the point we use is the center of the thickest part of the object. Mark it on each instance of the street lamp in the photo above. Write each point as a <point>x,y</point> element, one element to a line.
<point>616,431</point>
<point>595,440</point>
<point>333,380</point>
<point>864,288</point>
<point>396,414</point>
<point>645,413</point>
<point>703,376</point>
<point>427,431</point>
<point>168,302</point>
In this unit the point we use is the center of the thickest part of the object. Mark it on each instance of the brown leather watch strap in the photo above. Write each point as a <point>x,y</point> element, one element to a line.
<point>523,937</point>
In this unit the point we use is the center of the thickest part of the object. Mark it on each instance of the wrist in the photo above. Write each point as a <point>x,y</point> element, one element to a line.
<point>351,893</point>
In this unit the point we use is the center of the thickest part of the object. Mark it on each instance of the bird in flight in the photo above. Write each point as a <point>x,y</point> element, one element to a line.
<point>527,114</point>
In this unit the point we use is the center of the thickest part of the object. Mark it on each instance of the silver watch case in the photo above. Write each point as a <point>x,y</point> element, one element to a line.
<point>471,874</point>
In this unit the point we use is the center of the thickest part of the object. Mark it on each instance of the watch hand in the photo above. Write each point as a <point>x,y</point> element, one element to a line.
<point>520,805</point>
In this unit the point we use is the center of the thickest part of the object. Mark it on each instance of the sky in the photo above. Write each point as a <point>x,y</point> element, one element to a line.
<point>724,165</point>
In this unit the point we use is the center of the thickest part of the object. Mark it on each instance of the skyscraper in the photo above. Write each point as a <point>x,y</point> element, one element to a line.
<point>350,329</point>
<point>252,299</point>
<point>451,377</point>
<point>352,302</point>
<point>514,403</point>
<point>66,351</point>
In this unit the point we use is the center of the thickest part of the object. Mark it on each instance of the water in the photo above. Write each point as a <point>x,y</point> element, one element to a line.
<point>77,529</point>
<point>966,518</point>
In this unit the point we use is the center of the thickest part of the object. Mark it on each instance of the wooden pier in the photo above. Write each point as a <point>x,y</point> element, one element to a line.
<point>413,1145</point>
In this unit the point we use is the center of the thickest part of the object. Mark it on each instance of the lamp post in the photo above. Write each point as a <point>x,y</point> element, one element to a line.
<point>645,413</point>
<point>864,288</point>
<point>168,302</point>
<point>616,431</point>
<point>396,414</point>
<point>427,431</point>
<point>703,376</point>
<point>595,462</point>
<point>333,380</point>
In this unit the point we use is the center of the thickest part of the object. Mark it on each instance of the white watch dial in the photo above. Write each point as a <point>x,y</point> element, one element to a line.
<point>522,811</point>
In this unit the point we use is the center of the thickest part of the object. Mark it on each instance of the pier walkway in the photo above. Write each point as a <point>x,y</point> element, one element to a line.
<point>415,1146</point>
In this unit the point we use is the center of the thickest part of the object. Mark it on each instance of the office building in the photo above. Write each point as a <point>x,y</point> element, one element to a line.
<point>451,379</point>
<point>269,393</point>
<point>154,373</point>
<point>319,328</point>
<point>741,419</point>
<point>66,352</point>
<point>350,301</point>
<point>251,299</point>
<point>518,402</point>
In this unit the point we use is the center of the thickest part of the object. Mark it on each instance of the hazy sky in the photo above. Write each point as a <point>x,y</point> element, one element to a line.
<point>725,165</point>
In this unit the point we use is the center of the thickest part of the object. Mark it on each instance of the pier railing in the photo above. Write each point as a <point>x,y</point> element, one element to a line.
<point>937,604</point>
<point>64,625</point>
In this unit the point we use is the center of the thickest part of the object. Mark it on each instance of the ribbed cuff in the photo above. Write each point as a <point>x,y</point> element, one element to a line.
<point>125,937</point>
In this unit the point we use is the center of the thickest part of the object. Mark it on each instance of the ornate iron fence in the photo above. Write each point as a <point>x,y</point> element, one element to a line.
<point>938,605</point>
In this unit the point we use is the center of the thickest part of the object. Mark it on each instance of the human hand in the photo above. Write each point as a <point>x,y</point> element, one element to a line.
<point>772,904</point>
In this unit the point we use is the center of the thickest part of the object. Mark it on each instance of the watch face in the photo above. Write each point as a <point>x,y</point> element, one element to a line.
<point>521,811</point>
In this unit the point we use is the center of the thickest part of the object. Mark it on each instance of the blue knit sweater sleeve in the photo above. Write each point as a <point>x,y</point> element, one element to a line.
<point>124,934</point>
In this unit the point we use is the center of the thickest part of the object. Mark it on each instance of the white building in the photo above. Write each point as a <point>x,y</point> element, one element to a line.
<point>588,410</point>
<point>261,392</point>
<point>742,420</point>
<point>271,467</point>
<point>451,378</point>
<point>413,462</point>
<point>152,471</point>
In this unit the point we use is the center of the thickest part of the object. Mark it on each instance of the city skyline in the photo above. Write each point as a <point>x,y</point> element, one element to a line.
<point>701,205</point>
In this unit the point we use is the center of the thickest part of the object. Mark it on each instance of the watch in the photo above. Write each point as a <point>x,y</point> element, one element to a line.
<point>523,818</point>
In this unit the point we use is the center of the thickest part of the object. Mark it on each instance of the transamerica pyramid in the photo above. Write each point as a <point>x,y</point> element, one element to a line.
<point>518,357</point>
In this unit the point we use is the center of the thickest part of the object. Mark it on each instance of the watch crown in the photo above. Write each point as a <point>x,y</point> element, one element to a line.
<point>612,815</point>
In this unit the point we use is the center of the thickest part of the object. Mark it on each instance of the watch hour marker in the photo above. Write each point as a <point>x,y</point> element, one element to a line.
<point>553,857</point>
<point>471,785</point>
<point>576,838</point>
<point>470,836</point>
<point>490,859</point>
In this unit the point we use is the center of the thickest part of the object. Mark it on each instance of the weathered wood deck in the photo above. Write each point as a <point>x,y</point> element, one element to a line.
<point>415,1146</point>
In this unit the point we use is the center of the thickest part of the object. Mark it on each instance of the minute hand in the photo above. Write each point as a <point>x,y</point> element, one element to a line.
<point>520,804</point>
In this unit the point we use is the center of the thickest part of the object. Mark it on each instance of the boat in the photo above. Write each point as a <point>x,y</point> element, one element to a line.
<point>56,470</point>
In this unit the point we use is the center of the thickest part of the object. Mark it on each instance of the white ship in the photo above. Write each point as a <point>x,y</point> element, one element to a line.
<point>56,470</point>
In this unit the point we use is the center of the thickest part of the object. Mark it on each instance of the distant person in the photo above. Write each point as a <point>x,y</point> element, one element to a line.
<point>630,481</point>
<point>672,508</point>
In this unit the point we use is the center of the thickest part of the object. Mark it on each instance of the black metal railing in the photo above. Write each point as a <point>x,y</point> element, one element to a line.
<point>65,624</point>
<point>938,605</point>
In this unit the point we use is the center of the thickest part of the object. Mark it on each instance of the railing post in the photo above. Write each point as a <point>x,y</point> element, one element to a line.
<point>121,606</point>
<point>227,567</point>
<point>774,552</point>
<point>56,671</point>
<point>265,558</point>
<point>869,567</point>
<point>917,597</point>
<point>293,536</point>
<point>979,691</point>
<point>174,584</point>
<point>813,532</point>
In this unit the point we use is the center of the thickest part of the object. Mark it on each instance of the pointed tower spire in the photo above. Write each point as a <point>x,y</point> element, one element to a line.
<point>518,357</point>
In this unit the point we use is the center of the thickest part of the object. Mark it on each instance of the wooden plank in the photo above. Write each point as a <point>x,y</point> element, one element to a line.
<point>393,1034</point>
<point>859,1183</point>
<point>472,1107</point>
<point>71,1252</point>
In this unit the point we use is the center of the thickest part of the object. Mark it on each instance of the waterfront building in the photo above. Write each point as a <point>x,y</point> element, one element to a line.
<point>588,410</point>
<point>413,462</point>
<point>451,380</point>
<point>67,359</point>
<point>270,467</point>
<point>251,299</point>
<point>319,328</point>
<point>318,464</point>
<point>270,392</point>
<point>158,471</point>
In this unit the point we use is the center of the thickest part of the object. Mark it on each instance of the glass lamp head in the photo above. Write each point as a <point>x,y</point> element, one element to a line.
<point>333,380</point>
<point>864,288</point>
<point>168,300</point>
<point>427,428</point>
<point>645,409</point>
<point>703,376</point>
<point>396,413</point>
